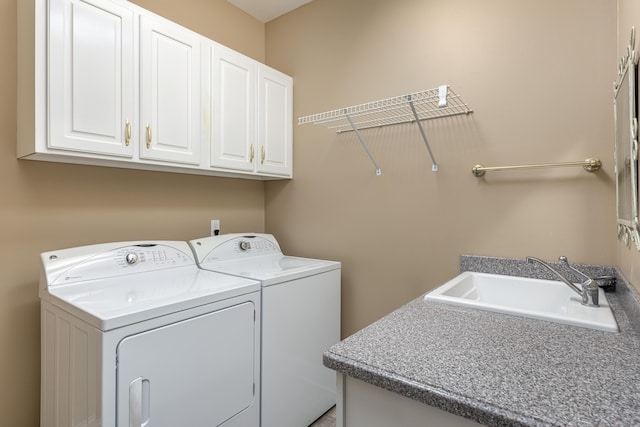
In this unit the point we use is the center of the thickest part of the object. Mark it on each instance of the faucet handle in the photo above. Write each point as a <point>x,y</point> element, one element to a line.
<point>607,283</point>
<point>563,259</point>
<point>590,288</point>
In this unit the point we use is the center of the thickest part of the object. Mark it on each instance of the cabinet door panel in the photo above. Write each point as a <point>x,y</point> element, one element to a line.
<point>91,75</point>
<point>170,92</point>
<point>233,123</point>
<point>275,122</point>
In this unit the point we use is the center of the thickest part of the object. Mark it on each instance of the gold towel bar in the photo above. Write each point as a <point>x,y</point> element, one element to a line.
<point>590,165</point>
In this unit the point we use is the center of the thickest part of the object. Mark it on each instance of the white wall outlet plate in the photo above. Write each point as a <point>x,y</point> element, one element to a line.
<point>215,227</point>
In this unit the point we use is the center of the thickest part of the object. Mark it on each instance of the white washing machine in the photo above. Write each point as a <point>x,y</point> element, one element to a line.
<point>135,334</point>
<point>300,319</point>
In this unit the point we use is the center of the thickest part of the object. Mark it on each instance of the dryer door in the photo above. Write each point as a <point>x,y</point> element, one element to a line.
<point>197,372</point>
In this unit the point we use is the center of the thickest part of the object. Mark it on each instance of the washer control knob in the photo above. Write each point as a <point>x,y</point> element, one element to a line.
<point>131,258</point>
<point>244,246</point>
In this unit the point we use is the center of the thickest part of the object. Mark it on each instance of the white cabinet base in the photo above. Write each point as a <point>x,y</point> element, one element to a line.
<point>364,405</point>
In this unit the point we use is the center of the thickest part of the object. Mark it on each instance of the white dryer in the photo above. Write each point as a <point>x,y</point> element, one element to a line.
<point>300,319</point>
<point>135,334</point>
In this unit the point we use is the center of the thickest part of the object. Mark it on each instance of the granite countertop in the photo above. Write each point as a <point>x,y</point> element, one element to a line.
<point>499,369</point>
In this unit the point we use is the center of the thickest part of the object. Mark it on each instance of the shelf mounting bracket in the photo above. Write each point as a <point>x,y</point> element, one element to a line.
<point>362,141</point>
<point>434,164</point>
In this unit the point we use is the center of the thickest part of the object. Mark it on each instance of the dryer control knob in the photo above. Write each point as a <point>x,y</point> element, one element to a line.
<point>131,258</point>
<point>244,246</point>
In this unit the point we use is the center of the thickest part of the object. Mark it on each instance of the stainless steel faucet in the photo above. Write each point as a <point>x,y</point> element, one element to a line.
<point>588,289</point>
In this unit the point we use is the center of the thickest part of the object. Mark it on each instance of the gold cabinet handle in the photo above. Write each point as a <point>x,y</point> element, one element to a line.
<point>251,154</point>
<point>262,155</point>
<point>148,136</point>
<point>127,132</point>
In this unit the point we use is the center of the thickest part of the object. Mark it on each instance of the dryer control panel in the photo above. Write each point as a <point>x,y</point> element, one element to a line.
<point>63,267</point>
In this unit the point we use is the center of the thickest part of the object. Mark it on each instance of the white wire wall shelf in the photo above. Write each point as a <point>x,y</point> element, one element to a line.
<point>415,107</point>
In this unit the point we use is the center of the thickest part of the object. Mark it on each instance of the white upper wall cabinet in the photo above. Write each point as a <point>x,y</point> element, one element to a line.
<point>251,114</point>
<point>105,82</point>
<point>170,92</point>
<point>233,112</point>
<point>275,113</point>
<point>91,76</point>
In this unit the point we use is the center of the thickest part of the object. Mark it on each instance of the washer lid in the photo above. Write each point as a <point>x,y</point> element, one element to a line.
<point>271,269</point>
<point>101,290</point>
<point>257,256</point>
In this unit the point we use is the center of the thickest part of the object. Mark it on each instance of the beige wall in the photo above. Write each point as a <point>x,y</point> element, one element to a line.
<point>538,75</point>
<point>46,206</point>
<point>628,16</point>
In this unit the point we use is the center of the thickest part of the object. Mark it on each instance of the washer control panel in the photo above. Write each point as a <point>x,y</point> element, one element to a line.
<point>256,246</point>
<point>237,247</point>
<point>115,262</point>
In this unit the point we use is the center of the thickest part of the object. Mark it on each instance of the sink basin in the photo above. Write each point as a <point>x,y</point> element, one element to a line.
<point>540,299</point>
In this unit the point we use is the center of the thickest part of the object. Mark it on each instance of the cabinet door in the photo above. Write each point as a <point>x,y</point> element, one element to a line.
<point>91,77</point>
<point>198,372</point>
<point>275,115</point>
<point>169,92</point>
<point>233,94</point>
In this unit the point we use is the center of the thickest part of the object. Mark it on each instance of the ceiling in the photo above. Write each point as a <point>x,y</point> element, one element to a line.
<point>266,10</point>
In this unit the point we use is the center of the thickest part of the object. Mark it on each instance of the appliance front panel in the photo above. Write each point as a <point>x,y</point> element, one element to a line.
<point>196,372</point>
<point>300,320</point>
